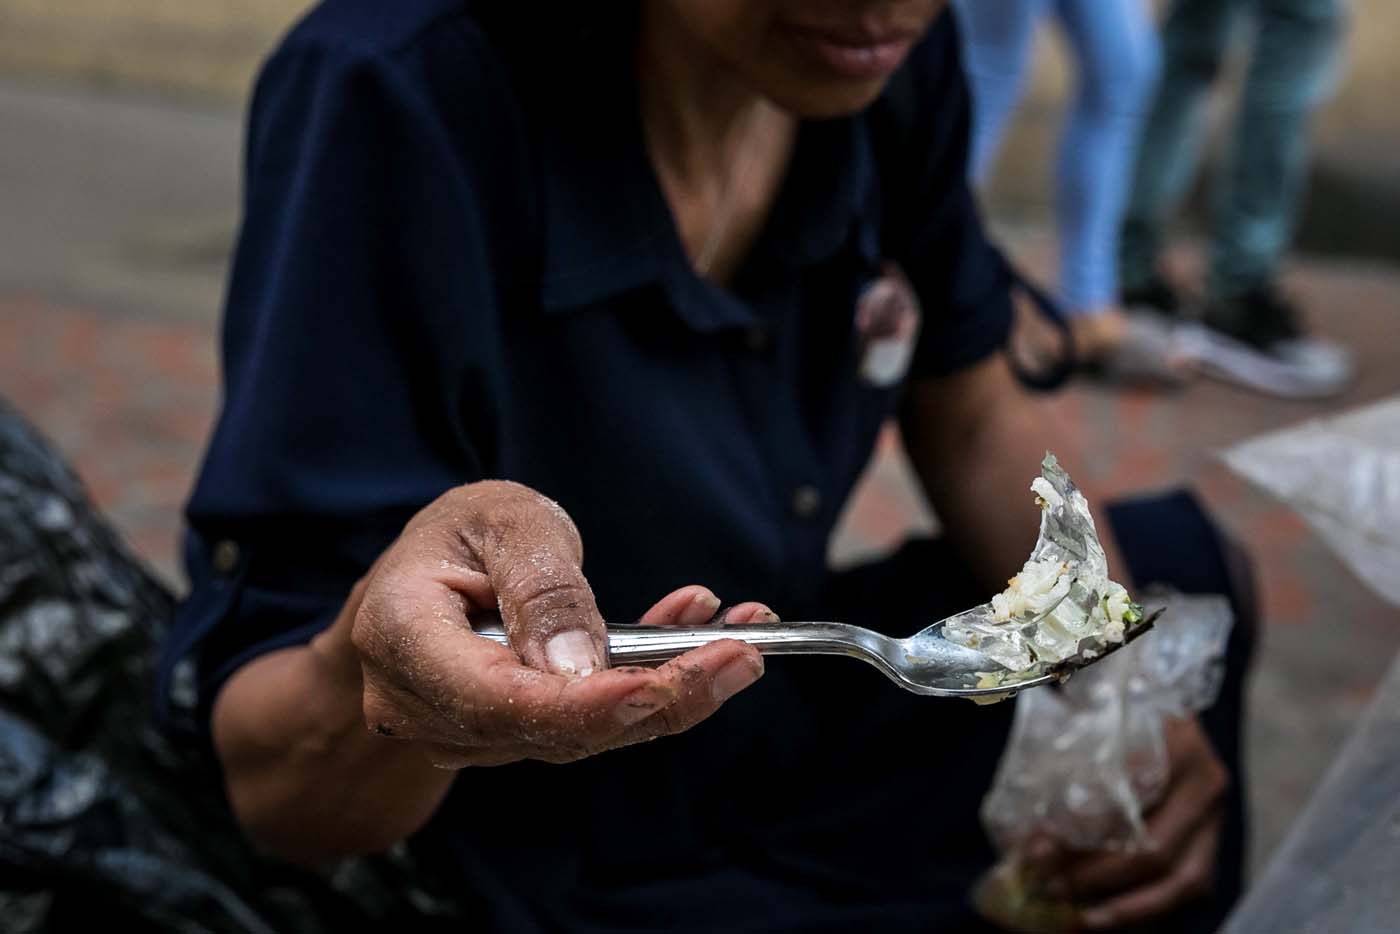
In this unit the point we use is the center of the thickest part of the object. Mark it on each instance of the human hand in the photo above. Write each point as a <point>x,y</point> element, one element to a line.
<point>1116,889</point>
<point>496,546</point>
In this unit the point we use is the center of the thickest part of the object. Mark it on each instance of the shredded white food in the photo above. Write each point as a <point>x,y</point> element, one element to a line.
<point>1049,497</point>
<point>1061,604</point>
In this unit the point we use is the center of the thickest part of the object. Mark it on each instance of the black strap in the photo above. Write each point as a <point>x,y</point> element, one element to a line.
<point>1066,360</point>
<point>894,120</point>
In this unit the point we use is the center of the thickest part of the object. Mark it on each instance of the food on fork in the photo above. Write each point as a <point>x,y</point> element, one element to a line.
<point>1062,607</point>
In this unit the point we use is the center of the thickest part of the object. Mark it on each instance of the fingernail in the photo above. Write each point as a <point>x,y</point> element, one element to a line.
<point>733,678</point>
<point>1096,918</point>
<point>572,653</point>
<point>1040,850</point>
<point>642,703</point>
<point>700,609</point>
<point>768,616</point>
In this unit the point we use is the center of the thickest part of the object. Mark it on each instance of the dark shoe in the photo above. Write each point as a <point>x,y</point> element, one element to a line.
<point>1156,296</point>
<point>1256,340</point>
<point>1260,317</point>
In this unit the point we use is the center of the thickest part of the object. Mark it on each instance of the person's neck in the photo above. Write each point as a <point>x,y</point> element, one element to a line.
<point>696,112</point>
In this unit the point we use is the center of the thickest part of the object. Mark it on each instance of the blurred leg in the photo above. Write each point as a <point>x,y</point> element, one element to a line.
<point>1290,73</point>
<point>1115,48</point>
<point>1195,37</point>
<point>996,44</point>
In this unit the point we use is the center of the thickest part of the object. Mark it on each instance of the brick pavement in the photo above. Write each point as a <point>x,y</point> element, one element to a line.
<point>129,400</point>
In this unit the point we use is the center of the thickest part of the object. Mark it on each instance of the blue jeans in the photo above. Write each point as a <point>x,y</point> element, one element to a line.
<point>1115,50</point>
<point>1291,70</point>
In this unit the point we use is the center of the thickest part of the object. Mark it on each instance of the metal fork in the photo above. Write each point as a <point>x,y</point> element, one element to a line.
<point>925,663</point>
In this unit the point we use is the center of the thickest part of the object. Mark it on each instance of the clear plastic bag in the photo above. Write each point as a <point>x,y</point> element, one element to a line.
<point>1085,762</point>
<point>1341,474</point>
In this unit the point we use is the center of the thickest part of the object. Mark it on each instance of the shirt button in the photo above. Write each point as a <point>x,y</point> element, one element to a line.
<point>806,501</point>
<point>758,338</point>
<point>225,557</point>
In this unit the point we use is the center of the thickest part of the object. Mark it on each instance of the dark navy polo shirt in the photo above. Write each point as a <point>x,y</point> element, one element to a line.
<point>456,263</point>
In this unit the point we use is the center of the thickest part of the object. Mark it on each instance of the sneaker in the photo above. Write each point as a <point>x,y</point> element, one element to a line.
<point>1147,350</point>
<point>1147,353</point>
<point>1155,296</point>
<point>1260,317</point>
<point>1256,340</point>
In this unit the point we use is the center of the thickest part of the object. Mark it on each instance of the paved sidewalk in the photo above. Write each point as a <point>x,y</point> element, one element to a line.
<point>112,250</point>
<point>129,400</point>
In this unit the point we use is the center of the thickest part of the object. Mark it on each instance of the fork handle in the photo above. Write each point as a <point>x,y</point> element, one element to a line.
<point>631,644</point>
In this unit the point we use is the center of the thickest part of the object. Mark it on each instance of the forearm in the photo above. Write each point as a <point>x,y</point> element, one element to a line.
<point>976,459</point>
<point>306,779</point>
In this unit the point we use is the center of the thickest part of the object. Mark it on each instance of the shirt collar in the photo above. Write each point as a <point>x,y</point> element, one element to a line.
<point>830,189</point>
<point>607,229</point>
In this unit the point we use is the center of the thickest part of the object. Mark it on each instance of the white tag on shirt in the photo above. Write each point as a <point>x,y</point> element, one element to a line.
<point>887,323</point>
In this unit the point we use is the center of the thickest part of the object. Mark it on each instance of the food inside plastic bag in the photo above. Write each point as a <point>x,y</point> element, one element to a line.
<point>1085,762</point>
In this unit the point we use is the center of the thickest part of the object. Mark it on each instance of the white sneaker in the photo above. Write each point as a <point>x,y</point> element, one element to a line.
<point>1297,368</point>
<point>1149,352</point>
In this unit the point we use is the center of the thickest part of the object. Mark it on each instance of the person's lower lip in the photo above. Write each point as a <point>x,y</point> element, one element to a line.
<point>873,60</point>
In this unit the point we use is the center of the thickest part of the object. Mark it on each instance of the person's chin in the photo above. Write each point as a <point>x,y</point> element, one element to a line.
<point>826,100</point>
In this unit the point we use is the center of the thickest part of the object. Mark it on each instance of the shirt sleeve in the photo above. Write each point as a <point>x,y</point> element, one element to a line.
<point>933,227</point>
<point>361,303</point>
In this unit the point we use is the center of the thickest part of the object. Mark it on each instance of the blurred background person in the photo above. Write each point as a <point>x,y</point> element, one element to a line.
<point>1255,334</point>
<point>1115,51</point>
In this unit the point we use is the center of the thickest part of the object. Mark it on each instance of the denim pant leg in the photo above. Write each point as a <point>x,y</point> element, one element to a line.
<point>1116,52</point>
<point>997,37</point>
<point>1291,71</point>
<point>1195,38</point>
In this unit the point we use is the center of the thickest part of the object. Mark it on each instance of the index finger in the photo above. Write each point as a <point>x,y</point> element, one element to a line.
<point>1190,879</point>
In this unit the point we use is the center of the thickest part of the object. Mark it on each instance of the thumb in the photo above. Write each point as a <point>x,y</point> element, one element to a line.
<point>533,559</point>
